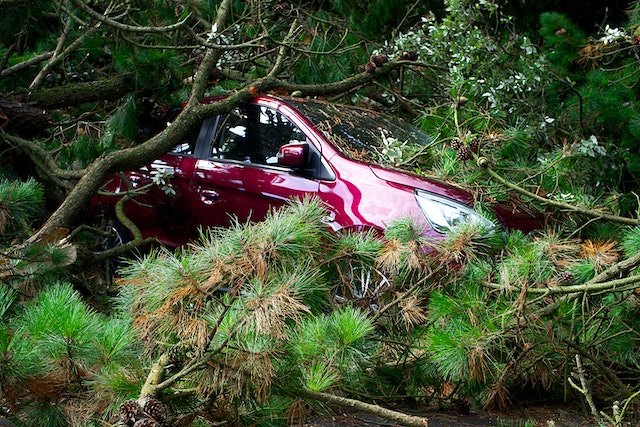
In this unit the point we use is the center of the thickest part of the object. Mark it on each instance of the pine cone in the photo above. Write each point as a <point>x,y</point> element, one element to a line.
<point>155,409</point>
<point>565,278</point>
<point>463,153</point>
<point>456,144</point>
<point>369,67</point>
<point>177,355</point>
<point>147,422</point>
<point>474,145</point>
<point>129,411</point>
<point>282,8</point>
<point>378,60</point>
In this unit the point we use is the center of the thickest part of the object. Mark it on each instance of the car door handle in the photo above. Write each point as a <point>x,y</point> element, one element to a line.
<point>166,169</point>
<point>209,197</point>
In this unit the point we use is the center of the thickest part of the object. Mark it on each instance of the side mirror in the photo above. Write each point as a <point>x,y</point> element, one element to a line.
<point>294,155</point>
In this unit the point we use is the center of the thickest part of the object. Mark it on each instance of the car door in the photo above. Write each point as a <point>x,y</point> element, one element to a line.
<point>161,209</point>
<point>240,176</point>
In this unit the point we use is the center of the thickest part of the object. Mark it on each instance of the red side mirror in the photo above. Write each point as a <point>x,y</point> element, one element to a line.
<point>294,155</point>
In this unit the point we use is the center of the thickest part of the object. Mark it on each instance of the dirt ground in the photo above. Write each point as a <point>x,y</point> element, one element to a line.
<point>539,415</point>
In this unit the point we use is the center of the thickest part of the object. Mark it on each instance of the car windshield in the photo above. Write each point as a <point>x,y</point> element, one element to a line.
<point>364,134</point>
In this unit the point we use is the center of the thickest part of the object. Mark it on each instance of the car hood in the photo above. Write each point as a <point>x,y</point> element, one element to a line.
<point>414,181</point>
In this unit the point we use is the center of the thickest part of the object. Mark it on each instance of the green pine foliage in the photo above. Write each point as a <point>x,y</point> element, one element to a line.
<point>562,37</point>
<point>326,350</point>
<point>153,68</point>
<point>20,203</point>
<point>123,123</point>
<point>631,242</point>
<point>57,347</point>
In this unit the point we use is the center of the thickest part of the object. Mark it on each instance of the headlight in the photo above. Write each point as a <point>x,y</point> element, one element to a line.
<point>443,214</point>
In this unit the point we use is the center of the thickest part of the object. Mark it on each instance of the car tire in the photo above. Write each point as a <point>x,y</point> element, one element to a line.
<point>113,234</point>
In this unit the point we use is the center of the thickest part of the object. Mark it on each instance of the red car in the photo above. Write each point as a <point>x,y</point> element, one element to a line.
<point>274,149</point>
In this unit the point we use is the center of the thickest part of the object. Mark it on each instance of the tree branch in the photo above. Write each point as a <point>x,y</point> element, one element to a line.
<point>211,56</point>
<point>589,287</point>
<point>32,148</point>
<point>110,88</point>
<point>43,72</point>
<point>399,417</point>
<point>125,27</point>
<point>58,58</point>
<point>25,64</point>
<point>155,376</point>
<point>284,48</point>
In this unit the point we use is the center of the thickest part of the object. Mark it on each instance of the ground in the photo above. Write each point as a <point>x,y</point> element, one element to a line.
<point>558,415</point>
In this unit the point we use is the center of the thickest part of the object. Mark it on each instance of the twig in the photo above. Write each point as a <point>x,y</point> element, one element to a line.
<point>622,386</point>
<point>57,58</point>
<point>588,287</point>
<point>32,148</point>
<point>583,388</point>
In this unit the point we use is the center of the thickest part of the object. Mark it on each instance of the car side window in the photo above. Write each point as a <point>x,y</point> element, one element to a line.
<point>275,130</point>
<point>254,135</point>
<point>230,141</point>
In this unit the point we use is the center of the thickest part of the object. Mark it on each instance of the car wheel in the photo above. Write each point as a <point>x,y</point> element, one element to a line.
<point>360,285</point>
<point>112,235</point>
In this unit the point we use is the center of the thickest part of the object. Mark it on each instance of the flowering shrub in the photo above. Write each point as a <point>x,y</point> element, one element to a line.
<point>499,75</point>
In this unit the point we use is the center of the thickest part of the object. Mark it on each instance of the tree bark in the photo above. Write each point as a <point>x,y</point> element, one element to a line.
<point>74,94</point>
<point>156,374</point>
<point>22,118</point>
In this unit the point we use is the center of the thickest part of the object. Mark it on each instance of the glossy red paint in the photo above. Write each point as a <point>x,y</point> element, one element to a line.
<point>213,183</point>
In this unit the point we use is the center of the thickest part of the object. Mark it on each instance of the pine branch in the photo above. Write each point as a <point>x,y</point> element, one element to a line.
<point>585,390</point>
<point>399,417</point>
<point>589,287</point>
<point>103,89</point>
<point>284,48</point>
<point>601,366</point>
<point>61,39</point>
<point>484,163</point>
<point>25,64</point>
<point>618,269</point>
<point>211,56</point>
